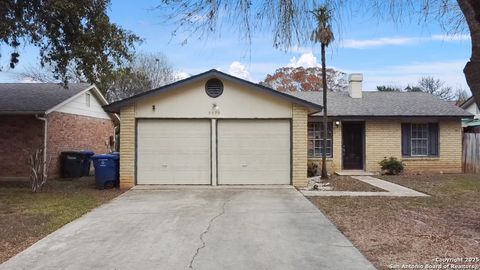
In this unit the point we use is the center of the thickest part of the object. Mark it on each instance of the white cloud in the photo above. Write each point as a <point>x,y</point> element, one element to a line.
<point>28,80</point>
<point>397,41</point>
<point>238,69</point>
<point>457,37</point>
<point>182,75</point>
<point>305,60</point>
<point>300,49</point>
<point>368,43</point>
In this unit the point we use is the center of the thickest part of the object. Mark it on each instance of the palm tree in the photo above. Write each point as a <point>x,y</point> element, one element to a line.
<point>323,34</point>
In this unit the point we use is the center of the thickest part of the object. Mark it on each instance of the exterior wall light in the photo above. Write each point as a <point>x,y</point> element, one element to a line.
<point>337,123</point>
<point>153,107</point>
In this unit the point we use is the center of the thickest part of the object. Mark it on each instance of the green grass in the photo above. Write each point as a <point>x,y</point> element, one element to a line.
<point>26,217</point>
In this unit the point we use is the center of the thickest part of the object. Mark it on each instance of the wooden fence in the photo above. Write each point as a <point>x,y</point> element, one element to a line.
<point>471,152</point>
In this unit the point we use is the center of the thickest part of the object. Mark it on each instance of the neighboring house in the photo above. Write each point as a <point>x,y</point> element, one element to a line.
<point>35,114</point>
<point>470,106</point>
<point>214,128</point>
<point>471,125</point>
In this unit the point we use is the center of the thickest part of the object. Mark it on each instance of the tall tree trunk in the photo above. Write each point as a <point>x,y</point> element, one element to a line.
<point>325,120</point>
<point>471,11</point>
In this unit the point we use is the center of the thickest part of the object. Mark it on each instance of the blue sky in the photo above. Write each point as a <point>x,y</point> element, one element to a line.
<point>385,53</point>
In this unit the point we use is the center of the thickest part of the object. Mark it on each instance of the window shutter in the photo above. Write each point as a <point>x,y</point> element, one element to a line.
<point>406,139</point>
<point>433,139</point>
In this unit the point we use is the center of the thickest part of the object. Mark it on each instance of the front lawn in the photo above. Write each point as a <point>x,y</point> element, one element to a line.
<point>26,217</point>
<point>396,231</point>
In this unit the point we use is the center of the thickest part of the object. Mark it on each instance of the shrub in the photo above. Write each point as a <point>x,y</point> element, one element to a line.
<point>391,165</point>
<point>312,169</point>
<point>37,167</point>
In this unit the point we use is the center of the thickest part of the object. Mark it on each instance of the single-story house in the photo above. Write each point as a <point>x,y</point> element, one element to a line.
<point>216,129</point>
<point>47,115</point>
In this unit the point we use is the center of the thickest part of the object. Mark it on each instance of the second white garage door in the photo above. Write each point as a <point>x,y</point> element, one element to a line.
<point>253,152</point>
<point>173,151</point>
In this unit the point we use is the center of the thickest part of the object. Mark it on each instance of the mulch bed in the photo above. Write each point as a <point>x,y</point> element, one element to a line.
<point>347,183</point>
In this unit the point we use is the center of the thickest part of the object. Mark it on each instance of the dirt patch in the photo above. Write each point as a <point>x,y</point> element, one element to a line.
<point>392,231</point>
<point>26,217</point>
<point>347,183</point>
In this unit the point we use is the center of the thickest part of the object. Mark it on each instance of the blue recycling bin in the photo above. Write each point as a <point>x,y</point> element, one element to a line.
<point>106,170</point>
<point>86,162</point>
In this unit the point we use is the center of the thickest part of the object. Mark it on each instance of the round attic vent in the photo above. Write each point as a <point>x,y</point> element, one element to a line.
<point>214,88</point>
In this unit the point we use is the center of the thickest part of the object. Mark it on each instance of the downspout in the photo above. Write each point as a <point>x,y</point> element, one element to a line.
<point>45,134</point>
<point>115,146</point>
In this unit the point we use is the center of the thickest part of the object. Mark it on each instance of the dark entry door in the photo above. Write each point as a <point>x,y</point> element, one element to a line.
<point>352,148</point>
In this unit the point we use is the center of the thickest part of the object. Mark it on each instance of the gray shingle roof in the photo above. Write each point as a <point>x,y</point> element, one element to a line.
<point>32,98</point>
<point>384,104</point>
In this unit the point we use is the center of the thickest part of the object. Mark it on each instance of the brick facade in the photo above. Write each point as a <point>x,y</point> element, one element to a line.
<point>299,145</point>
<point>65,132</point>
<point>383,139</point>
<point>334,163</point>
<point>450,158</point>
<point>127,147</point>
<point>75,132</point>
<point>17,134</point>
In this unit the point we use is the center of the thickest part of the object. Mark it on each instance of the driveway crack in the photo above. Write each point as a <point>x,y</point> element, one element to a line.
<point>203,245</point>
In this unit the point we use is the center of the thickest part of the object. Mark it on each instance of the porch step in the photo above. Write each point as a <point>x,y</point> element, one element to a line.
<point>354,173</point>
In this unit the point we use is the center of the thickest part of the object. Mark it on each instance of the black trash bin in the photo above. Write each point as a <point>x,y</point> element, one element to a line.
<point>106,170</point>
<point>72,164</point>
<point>86,162</point>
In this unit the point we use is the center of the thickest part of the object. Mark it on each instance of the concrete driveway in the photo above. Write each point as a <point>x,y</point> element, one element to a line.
<point>201,228</point>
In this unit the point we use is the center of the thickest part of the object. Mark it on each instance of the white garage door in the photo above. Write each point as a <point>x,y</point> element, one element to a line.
<point>173,152</point>
<point>253,152</point>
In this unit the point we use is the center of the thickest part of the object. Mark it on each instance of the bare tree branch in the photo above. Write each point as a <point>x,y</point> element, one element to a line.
<point>289,21</point>
<point>146,71</point>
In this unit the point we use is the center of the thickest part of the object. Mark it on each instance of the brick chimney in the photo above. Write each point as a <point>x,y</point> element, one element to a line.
<point>355,85</point>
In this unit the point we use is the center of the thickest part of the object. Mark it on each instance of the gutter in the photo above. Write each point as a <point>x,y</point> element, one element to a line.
<point>45,134</point>
<point>115,128</point>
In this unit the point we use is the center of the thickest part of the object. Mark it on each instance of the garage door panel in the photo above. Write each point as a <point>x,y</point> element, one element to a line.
<point>173,152</point>
<point>253,151</point>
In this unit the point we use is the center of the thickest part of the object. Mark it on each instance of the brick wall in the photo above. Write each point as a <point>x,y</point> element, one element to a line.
<point>18,133</point>
<point>383,139</point>
<point>127,147</point>
<point>450,158</point>
<point>299,145</point>
<point>335,162</point>
<point>75,132</point>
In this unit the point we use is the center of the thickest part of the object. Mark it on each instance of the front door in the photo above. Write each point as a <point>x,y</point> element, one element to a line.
<point>352,148</point>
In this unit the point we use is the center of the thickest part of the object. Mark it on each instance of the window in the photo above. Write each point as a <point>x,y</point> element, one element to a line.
<point>87,99</point>
<point>315,136</point>
<point>420,139</point>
